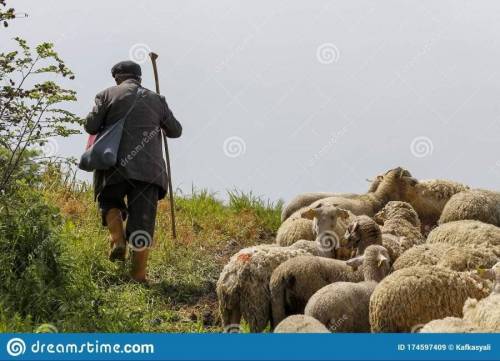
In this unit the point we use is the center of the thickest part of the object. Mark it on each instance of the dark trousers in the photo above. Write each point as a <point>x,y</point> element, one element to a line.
<point>140,208</point>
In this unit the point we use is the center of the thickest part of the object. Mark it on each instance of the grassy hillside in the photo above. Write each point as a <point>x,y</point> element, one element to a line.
<point>95,294</point>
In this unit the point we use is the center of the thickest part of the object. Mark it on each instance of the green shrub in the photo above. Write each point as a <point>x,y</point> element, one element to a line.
<point>32,269</point>
<point>54,268</point>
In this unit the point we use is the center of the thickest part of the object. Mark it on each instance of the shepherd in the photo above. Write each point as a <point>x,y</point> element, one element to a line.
<point>131,189</point>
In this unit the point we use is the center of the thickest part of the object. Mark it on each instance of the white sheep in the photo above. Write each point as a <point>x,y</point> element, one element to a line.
<point>429,197</point>
<point>391,186</point>
<point>401,229</point>
<point>328,223</point>
<point>480,205</point>
<point>456,258</point>
<point>479,316</point>
<point>243,285</point>
<point>416,295</point>
<point>294,281</point>
<point>343,306</point>
<point>467,233</point>
<point>306,199</point>
<point>300,324</point>
<point>361,233</point>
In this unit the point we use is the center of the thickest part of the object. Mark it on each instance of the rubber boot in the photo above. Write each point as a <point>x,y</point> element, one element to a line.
<point>139,265</point>
<point>114,221</point>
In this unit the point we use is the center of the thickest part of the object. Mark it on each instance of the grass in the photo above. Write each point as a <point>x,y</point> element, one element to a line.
<point>183,272</point>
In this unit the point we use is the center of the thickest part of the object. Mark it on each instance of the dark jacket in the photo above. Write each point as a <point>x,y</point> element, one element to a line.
<point>140,156</point>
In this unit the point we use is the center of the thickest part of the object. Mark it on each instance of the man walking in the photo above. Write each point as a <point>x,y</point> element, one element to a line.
<point>140,173</point>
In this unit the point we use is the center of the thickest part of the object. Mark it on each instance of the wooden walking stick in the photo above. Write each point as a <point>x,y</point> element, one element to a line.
<point>153,57</point>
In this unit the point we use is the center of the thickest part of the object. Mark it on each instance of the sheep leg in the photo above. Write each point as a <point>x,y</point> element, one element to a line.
<point>231,319</point>
<point>278,304</point>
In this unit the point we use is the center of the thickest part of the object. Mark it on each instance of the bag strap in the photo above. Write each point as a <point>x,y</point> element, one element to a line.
<point>137,94</point>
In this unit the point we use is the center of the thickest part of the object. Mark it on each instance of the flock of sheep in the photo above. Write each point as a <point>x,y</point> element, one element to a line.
<point>407,256</point>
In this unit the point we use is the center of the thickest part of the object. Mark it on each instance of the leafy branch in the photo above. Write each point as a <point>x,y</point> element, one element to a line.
<point>7,14</point>
<point>30,111</point>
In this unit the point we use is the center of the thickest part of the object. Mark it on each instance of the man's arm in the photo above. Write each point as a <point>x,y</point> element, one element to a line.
<point>172,128</point>
<point>95,119</point>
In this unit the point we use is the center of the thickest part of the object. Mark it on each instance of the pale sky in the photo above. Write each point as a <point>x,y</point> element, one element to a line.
<point>284,97</point>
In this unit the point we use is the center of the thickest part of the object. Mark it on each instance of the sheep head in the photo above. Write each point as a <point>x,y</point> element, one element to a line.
<point>375,261</point>
<point>361,233</point>
<point>395,184</point>
<point>375,183</point>
<point>494,274</point>
<point>325,220</point>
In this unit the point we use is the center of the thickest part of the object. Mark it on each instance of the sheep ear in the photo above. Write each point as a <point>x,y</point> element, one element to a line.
<point>343,214</point>
<point>355,226</point>
<point>486,273</point>
<point>381,259</point>
<point>355,262</point>
<point>308,214</point>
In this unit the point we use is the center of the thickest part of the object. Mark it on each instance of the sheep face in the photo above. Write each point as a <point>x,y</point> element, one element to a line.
<point>353,234</point>
<point>494,274</point>
<point>395,183</point>
<point>361,233</point>
<point>375,261</point>
<point>325,220</point>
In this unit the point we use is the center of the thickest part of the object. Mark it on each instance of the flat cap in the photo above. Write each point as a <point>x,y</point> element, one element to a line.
<point>126,67</point>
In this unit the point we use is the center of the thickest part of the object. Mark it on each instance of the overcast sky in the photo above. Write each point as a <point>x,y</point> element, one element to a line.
<point>284,97</point>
